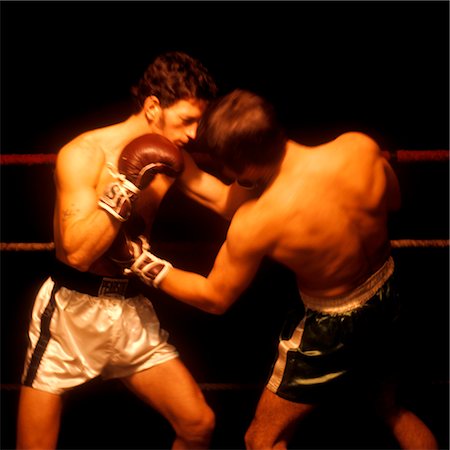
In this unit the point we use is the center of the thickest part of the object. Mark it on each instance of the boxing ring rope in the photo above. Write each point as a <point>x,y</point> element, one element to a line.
<point>396,243</point>
<point>398,156</point>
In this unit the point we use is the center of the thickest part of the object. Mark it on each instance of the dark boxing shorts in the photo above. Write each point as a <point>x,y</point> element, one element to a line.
<point>336,342</point>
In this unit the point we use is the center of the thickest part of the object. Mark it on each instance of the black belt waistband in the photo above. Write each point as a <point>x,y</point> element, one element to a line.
<point>94,285</point>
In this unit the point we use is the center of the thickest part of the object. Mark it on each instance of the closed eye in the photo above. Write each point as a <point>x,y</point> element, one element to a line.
<point>188,120</point>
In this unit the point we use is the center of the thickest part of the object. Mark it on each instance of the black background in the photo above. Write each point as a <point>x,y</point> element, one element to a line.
<point>378,67</point>
<point>381,67</point>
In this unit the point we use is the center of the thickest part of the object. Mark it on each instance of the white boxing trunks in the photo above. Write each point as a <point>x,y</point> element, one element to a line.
<point>75,337</point>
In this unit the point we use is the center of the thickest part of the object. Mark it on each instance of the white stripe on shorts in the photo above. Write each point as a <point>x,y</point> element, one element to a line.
<point>283,347</point>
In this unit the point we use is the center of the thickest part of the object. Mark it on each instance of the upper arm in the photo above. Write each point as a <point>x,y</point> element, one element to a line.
<point>77,173</point>
<point>239,258</point>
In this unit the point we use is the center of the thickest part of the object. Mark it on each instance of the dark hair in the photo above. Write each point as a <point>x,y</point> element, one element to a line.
<point>241,130</point>
<point>175,76</point>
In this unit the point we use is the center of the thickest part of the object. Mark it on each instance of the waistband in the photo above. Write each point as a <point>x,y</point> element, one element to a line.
<point>347,302</point>
<point>94,285</point>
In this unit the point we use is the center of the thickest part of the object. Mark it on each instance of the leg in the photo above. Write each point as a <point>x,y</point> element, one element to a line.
<point>274,422</point>
<point>408,429</point>
<point>170,389</point>
<point>38,419</point>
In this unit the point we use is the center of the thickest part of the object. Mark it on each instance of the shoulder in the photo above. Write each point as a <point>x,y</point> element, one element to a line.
<point>83,151</point>
<point>361,140</point>
<point>80,162</point>
<point>252,228</point>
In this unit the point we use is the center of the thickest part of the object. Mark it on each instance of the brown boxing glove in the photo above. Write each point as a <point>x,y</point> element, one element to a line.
<point>139,162</point>
<point>121,252</point>
<point>134,258</point>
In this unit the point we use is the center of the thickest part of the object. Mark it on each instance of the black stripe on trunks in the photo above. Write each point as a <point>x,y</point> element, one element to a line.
<point>43,340</point>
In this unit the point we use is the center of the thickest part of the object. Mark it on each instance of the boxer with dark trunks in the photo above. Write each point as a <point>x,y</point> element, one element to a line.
<point>323,214</point>
<point>89,318</point>
<point>321,354</point>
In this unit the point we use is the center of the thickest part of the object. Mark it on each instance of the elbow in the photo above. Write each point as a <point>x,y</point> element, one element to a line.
<point>76,261</point>
<point>78,264</point>
<point>218,305</point>
<point>76,255</point>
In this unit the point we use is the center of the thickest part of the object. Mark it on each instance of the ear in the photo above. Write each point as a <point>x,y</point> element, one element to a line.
<point>152,108</point>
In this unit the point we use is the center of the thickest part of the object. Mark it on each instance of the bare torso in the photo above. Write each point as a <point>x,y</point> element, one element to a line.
<point>97,149</point>
<point>325,214</point>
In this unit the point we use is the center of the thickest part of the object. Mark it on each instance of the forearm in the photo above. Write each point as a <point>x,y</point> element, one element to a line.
<point>210,191</point>
<point>212,195</point>
<point>229,277</point>
<point>85,240</point>
<point>195,290</point>
<point>223,199</point>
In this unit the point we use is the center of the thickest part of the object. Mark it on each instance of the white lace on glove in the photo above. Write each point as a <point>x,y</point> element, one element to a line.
<point>118,196</point>
<point>148,267</point>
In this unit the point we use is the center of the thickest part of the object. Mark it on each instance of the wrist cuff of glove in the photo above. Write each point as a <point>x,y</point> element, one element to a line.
<point>162,274</point>
<point>151,269</point>
<point>117,199</point>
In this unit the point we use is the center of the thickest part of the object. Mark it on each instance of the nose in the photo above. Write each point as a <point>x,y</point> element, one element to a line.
<point>191,130</point>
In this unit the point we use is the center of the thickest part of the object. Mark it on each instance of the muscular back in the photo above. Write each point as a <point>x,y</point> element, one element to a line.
<point>327,212</point>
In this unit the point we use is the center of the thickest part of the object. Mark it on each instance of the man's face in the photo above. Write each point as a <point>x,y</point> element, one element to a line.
<point>179,122</point>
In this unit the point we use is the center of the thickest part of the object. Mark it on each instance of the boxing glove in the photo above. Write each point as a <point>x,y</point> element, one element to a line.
<point>139,162</point>
<point>121,252</point>
<point>148,267</point>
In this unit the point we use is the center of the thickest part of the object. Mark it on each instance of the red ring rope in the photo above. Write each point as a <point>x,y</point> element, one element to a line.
<point>401,156</point>
<point>417,156</point>
<point>38,158</point>
<point>396,243</point>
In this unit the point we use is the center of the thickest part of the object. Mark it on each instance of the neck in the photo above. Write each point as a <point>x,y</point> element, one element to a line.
<point>136,125</point>
<point>271,173</point>
<point>294,150</point>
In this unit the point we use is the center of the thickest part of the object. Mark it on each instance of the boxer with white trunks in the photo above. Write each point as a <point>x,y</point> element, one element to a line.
<point>90,318</point>
<point>96,322</point>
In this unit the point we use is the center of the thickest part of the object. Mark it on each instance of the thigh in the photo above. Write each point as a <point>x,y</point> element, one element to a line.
<point>170,389</point>
<point>38,419</point>
<point>275,418</point>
